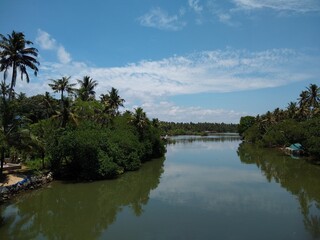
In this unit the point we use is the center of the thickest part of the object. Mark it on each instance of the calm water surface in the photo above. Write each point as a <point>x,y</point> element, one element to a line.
<point>205,188</point>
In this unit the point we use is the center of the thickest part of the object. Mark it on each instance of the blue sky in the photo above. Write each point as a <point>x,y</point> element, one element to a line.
<point>182,60</point>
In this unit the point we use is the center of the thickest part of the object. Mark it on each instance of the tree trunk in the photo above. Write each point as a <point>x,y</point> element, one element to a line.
<point>13,80</point>
<point>2,161</point>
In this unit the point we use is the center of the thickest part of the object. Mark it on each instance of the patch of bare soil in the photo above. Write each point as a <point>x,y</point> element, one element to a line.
<point>13,177</point>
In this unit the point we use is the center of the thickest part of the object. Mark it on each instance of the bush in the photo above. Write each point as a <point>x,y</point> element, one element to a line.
<point>312,136</point>
<point>90,152</point>
<point>252,134</point>
<point>283,134</point>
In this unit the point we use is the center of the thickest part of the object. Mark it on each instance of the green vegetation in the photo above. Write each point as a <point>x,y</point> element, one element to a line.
<point>171,128</point>
<point>300,122</point>
<point>77,136</point>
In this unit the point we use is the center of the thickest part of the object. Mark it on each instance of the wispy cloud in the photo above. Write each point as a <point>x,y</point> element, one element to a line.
<point>151,83</point>
<point>301,6</point>
<point>213,71</point>
<point>228,12</point>
<point>46,42</point>
<point>63,55</point>
<point>168,111</point>
<point>195,5</point>
<point>158,18</point>
<point>225,13</point>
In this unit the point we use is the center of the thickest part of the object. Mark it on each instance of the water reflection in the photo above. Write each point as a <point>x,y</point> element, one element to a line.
<point>204,171</point>
<point>295,175</point>
<point>201,191</point>
<point>78,211</point>
<point>212,138</point>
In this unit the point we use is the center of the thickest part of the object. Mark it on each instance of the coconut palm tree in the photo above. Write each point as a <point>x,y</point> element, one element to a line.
<point>62,85</point>
<point>66,114</point>
<point>313,96</point>
<point>48,104</point>
<point>292,109</point>
<point>15,54</point>
<point>86,91</point>
<point>303,111</point>
<point>303,99</point>
<point>112,102</point>
<point>139,120</point>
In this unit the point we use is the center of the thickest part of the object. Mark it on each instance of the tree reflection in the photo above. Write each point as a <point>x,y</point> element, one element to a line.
<point>79,211</point>
<point>295,175</point>
<point>213,138</point>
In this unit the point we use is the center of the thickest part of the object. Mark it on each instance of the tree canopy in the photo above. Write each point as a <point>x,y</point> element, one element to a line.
<point>299,122</point>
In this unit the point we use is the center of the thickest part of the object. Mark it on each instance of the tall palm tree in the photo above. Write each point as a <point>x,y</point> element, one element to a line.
<point>303,111</point>
<point>313,96</point>
<point>112,102</point>
<point>86,91</point>
<point>62,85</point>
<point>278,114</point>
<point>139,120</point>
<point>292,109</point>
<point>303,99</point>
<point>15,54</point>
<point>66,114</point>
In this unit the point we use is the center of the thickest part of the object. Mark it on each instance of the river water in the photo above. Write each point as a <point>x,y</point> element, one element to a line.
<point>205,188</point>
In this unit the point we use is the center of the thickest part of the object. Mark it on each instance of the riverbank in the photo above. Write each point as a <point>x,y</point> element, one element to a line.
<point>14,183</point>
<point>11,179</point>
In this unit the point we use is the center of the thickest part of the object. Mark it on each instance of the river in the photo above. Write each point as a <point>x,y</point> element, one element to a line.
<point>205,188</point>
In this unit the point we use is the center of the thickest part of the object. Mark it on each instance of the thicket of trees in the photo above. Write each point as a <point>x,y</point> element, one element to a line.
<point>172,128</point>
<point>80,137</point>
<point>299,122</point>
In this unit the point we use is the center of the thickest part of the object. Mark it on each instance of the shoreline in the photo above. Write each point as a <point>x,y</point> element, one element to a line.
<point>20,184</point>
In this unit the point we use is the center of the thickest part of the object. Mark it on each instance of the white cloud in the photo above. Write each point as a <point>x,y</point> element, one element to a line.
<point>194,5</point>
<point>229,13</point>
<point>301,6</point>
<point>150,83</point>
<point>168,111</point>
<point>46,42</point>
<point>158,18</point>
<point>226,18</point>
<point>63,56</point>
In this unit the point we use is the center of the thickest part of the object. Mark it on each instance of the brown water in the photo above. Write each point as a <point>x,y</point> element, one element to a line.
<point>205,188</point>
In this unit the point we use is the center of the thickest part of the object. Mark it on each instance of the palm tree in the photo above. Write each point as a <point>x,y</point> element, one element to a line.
<point>303,111</point>
<point>278,114</point>
<point>47,103</point>
<point>112,102</point>
<point>313,96</point>
<point>62,85</point>
<point>292,109</point>
<point>86,91</point>
<point>66,114</point>
<point>268,119</point>
<point>17,55</point>
<point>4,91</point>
<point>303,99</point>
<point>139,120</point>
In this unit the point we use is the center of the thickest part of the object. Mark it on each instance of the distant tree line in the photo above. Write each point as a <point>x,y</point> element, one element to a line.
<point>298,123</point>
<point>75,136</point>
<point>200,128</point>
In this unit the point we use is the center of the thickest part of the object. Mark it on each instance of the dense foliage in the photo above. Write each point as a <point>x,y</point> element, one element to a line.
<point>78,136</point>
<point>298,123</point>
<point>172,128</point>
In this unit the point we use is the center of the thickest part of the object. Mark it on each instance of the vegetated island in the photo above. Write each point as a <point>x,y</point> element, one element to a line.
<point>297,125</point>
